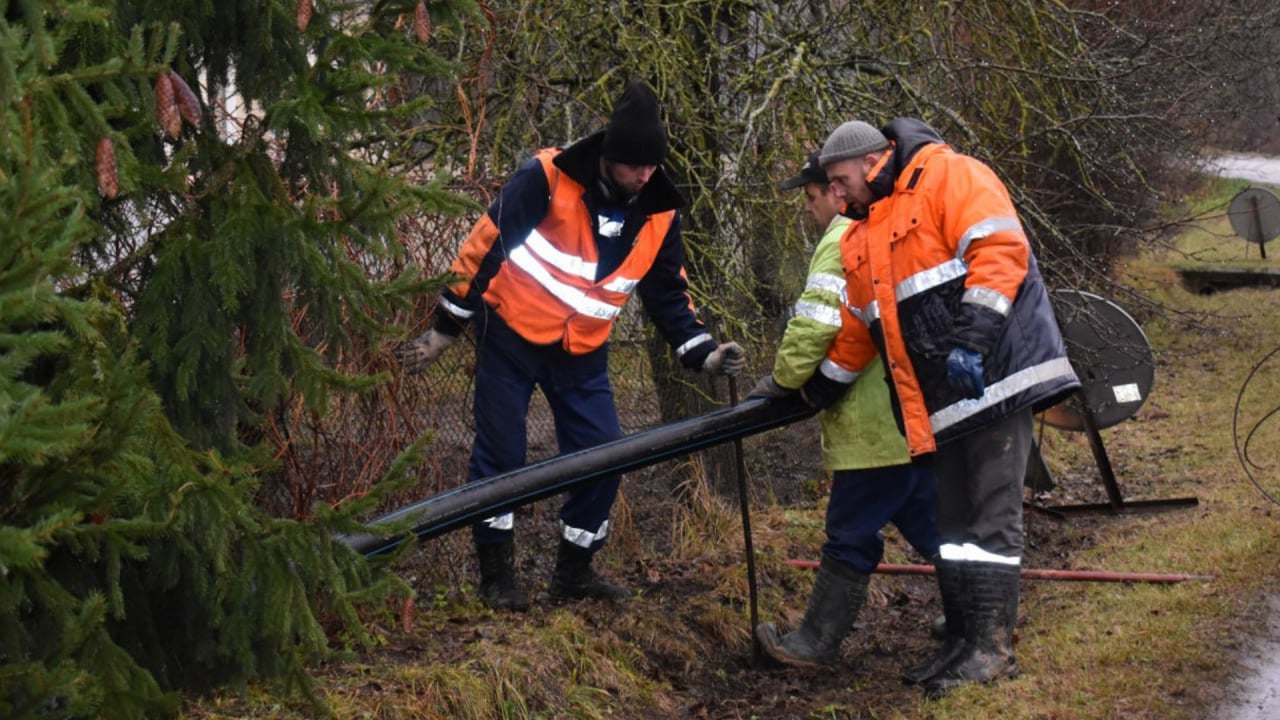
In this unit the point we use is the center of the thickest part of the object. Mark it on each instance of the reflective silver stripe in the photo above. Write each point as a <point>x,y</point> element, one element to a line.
<point>969,552</point>
<point>695,341</point>
<point>825,281</point>
<point>824,314</point>
<point>621,285</point>
<point>584,538</point>
<point>997,393</point>
<point>984,228</point>
<point>989,299</point>
<point>456,310</point>
<point>837,373</point>
<point>858,314</point>
<point>931,278</point>
<point>505,521</point>
<point>571,296</point>
<point>548,253</point>
<point>871,312</point>
<point>608,227</point>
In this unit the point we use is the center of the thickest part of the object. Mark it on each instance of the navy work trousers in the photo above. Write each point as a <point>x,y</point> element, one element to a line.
<point>578,391</point>
<point>864,501</point>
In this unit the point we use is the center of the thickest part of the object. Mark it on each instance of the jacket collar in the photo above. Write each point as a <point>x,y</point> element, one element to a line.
<point>908,136</point>
<point>581,162</point>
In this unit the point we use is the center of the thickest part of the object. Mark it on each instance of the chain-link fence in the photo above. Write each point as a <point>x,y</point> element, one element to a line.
<point>333,456</point>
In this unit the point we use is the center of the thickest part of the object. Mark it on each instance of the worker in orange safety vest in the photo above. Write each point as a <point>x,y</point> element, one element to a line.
<point>546,272</point>
<point>940,280</point>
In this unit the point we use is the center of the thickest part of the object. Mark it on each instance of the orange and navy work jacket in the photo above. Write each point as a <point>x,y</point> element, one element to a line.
<point>557,264</point>
<point>943,261</point>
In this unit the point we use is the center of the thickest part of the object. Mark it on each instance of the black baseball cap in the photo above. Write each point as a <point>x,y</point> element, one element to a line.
<point>812,172</point>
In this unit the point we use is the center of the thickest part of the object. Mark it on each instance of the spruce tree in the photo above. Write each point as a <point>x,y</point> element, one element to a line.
<point>170,274</point>
<point>264,167</point>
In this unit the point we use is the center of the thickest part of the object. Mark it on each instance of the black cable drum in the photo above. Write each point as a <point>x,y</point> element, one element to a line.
<point>1110,354</point>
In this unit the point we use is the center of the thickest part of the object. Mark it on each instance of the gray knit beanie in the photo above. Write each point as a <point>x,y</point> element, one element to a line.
<point>852,139</point>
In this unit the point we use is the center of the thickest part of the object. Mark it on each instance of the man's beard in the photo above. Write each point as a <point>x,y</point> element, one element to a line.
<point>611,191</point>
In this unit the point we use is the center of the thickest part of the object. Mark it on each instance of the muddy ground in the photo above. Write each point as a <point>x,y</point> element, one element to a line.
<point>710,667</point>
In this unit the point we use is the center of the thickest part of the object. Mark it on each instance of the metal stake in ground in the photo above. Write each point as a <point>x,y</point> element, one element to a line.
<point>745,504</point>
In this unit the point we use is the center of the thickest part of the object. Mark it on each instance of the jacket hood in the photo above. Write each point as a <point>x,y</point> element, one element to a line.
<point>581,161</point>
<point>908,136</point>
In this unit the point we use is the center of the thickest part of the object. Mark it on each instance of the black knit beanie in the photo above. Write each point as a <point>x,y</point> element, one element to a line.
<point>636,135</point>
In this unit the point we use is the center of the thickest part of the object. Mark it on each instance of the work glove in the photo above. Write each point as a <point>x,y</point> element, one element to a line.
<point>414,357</point>
<point>767,387</point>
<point>727,359</point>
<point>964,372</point>
<point>821,392</point>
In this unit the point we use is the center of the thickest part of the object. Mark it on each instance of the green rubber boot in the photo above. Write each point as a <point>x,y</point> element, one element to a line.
<point>990,612</point>
<point>838,594</point>
<point>947,573</point>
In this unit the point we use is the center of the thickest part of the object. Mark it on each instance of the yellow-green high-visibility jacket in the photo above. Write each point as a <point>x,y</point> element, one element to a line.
<point>859,431</point>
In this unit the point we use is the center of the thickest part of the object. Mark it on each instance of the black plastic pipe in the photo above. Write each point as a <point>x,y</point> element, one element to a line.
<point>500,493</point>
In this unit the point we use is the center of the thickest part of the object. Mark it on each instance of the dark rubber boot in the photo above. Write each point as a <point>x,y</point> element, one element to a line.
<point>938,628</point>
<point>990,612</point>
<point>949,588</point>
<point>838,594</point>
<point>498,587</point>
<point>574,577</point>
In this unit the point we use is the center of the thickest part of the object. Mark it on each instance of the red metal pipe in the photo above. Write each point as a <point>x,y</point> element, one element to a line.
<point>1036,574</point>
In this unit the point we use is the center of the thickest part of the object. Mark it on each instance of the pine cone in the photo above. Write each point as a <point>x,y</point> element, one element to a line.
<point>422,22</point>
<point>188,103</point>
<point>303,15</point>
<point>105,164</point>
<point>166,106</point>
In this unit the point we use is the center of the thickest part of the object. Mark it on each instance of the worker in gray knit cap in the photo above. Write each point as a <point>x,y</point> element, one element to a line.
<point>940,281</point>
<point>853,139</point>
<point>873,480</point>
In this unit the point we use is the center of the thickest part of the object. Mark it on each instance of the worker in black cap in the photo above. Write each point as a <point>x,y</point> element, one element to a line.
<point>545,273</point>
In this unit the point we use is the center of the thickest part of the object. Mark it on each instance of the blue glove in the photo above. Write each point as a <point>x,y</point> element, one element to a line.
<point>964,372</point>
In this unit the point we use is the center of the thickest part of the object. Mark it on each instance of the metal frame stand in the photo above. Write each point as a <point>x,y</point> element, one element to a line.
<point>1116,503</point>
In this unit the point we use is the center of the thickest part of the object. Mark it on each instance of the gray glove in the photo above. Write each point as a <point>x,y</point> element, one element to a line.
<point>727,359</point>
<point>767,387</point>
<point>414,357</point>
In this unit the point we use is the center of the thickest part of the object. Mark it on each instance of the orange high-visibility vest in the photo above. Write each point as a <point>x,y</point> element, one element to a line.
<point>546,288</point>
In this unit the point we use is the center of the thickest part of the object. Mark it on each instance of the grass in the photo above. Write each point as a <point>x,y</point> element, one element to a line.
<point>1208,239</point>
<point>1087,650</point>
